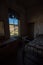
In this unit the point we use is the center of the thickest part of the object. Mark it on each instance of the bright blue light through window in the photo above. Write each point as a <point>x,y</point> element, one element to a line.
<point>13,21</point>
<point>10,21</point>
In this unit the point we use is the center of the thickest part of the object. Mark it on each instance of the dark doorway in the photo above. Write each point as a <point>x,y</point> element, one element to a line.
<point>31,31</point>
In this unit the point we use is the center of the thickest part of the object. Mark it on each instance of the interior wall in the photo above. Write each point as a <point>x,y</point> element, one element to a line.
<point>35,14</point>
<point>1,29</point>
<point>3,18</point>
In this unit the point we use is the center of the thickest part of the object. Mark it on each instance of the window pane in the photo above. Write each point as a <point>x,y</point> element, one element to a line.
<point>11,30</point>
<point>16,30</point>
<point>10,20</point>
<point>15,21</point>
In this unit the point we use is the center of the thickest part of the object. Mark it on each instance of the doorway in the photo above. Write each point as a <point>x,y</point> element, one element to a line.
<point>31,31</point>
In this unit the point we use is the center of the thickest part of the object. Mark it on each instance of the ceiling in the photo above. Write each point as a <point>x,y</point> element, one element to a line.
<point>26,3</point>
<point>29,3</point>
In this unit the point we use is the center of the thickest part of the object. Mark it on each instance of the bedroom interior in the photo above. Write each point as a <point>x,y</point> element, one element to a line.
<point>21,32</point>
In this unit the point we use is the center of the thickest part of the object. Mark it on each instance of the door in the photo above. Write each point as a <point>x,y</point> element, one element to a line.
<point>31,31</point>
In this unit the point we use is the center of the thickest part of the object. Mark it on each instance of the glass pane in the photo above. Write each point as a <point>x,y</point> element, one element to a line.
<point>10,20</point>
<point>11,30</point>
<point>15,21</point>
<point>16,30</point>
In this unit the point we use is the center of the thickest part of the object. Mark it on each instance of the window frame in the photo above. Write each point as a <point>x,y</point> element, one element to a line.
<point>18,28</point>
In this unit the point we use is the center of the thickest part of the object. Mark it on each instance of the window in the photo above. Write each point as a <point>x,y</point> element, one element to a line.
<point>13,26</point>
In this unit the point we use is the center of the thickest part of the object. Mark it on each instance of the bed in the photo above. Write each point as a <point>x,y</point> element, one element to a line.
<point>33,52</point>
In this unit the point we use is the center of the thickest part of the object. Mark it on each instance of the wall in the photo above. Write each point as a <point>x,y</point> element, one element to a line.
<point>1,29</point>
<point>35,14</point>
<point>3,17</point>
